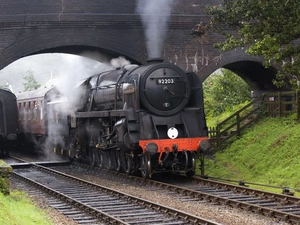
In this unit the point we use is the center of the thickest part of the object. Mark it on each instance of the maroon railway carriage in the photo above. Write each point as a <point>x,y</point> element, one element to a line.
<point>34,117</point>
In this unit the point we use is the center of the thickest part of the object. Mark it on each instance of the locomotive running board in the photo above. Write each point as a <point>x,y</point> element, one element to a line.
<point>91,114</point>
<point>128,113</point>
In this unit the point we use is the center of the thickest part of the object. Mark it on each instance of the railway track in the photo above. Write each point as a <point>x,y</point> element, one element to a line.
<point>283,207</point>
<point>88,203</point>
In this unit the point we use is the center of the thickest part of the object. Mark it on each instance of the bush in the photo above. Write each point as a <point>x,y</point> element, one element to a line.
<point>223,91</point>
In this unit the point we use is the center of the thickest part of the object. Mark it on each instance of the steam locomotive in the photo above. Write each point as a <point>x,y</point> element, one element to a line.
<point>9,128</point>
<point>139,118</point>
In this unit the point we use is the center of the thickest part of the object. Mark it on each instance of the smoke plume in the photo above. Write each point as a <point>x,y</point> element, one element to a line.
<point>155,15</point>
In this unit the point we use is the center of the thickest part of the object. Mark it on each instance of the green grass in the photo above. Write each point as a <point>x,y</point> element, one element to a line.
<point>18,209</point>
<point>267,153</point>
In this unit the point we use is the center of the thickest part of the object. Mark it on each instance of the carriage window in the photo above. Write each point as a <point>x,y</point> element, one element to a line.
<point>24,111</point>
<point>20,111</point>
<point>41,110</point>
<point>29,111</point>
<point>36,111</point>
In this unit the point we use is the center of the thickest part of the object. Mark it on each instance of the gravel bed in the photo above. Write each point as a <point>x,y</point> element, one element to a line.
<point>221,214</point>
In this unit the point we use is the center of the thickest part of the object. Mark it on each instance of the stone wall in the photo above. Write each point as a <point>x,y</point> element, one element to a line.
<point>5,173</point>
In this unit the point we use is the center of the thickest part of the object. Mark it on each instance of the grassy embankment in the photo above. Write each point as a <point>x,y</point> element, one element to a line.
<point>18,209</point>
<point>267,153</point>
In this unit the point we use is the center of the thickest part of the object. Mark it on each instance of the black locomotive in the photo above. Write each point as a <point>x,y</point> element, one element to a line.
<point>146,118</point>
<point>8,121</point>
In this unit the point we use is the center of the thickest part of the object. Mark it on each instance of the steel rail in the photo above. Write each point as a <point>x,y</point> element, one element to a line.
<point>285,198</point>
<point>281,200</point>
<point>190,219</point>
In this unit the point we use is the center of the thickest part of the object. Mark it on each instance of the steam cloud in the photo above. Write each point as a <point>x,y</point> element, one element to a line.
<point>77,69</point>
<point>155,15</point>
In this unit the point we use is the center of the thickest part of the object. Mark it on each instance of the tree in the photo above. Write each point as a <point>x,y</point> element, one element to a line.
<point>224,91</point>
<point>31,83</point>
<point>267,28</point>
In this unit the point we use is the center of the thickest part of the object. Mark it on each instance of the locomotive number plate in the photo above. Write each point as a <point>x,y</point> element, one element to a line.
<point>165,81</point>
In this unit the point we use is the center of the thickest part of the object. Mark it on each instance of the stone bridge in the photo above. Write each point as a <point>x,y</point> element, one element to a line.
<point>112,28</point>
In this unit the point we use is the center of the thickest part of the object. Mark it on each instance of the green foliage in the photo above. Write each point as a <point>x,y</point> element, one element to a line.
<point>267,153</point>
<point>267,28</point>
<point>213,121</point>
<point>31,83</point>
<point>223,92</point>
<point>17,208</point>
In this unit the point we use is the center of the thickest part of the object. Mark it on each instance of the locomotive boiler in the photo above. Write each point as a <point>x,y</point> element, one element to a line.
<point>148,118</point>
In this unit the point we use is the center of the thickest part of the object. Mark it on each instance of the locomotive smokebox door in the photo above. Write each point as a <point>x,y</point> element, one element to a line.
<point>164,89</point>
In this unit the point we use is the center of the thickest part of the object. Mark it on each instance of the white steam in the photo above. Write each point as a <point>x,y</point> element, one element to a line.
<point>119,62</point>
<point>77,69</point>
<point>155,15</point>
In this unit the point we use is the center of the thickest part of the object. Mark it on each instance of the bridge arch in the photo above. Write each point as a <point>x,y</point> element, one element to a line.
<point>106,44</point>
<point>249,68</point>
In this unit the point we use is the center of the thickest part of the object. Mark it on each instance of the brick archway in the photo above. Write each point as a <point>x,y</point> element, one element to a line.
<point>113,28</point>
